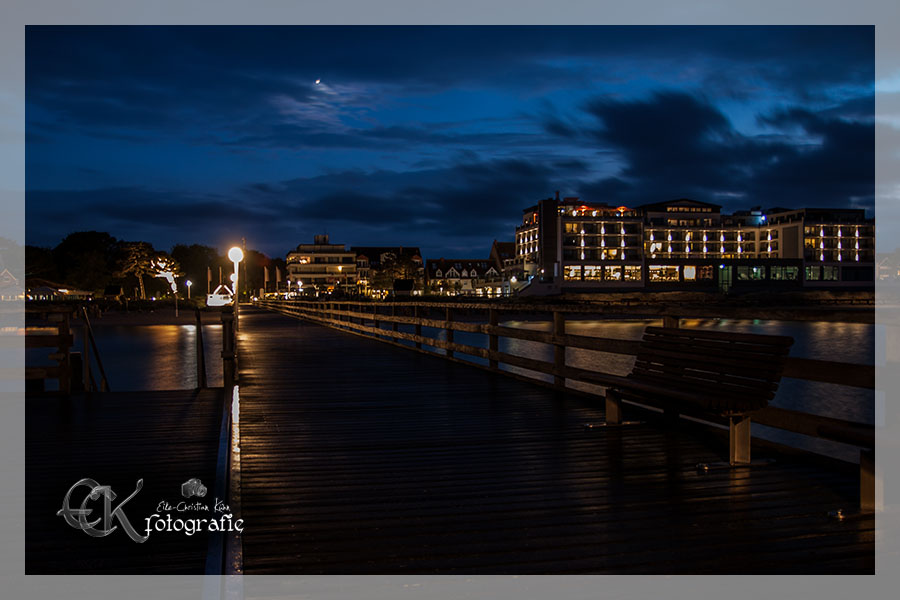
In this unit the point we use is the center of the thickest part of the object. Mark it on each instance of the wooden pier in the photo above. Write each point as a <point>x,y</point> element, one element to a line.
<point>362,457</point>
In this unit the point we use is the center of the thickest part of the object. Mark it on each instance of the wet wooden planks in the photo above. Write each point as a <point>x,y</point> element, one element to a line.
<point>360,457</point>
<point>164,438</point>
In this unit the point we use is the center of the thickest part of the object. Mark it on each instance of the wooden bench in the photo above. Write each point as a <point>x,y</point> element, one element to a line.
<point>701,373</point>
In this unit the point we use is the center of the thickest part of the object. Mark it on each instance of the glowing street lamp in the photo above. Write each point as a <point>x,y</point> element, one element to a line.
<point>189,283</point>
<point>236,255</point>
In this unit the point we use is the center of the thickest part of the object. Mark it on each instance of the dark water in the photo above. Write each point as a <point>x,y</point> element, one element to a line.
<point>149,357</point>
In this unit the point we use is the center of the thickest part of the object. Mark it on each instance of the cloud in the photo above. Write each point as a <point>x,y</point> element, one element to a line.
<point>676,145</point>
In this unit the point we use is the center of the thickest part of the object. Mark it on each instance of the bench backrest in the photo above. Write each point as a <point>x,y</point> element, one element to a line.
<point>726,372</point>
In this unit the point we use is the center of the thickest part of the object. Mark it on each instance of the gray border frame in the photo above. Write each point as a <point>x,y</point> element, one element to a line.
<point>884,14</point>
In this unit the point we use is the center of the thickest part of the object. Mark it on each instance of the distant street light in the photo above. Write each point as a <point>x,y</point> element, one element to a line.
<point>189,283</point>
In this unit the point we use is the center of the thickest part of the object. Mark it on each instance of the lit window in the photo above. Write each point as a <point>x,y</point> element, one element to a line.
<point>690,273</point>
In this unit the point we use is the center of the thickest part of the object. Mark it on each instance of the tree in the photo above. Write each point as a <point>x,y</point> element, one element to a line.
<point>166,267</point>
<point>195,260</point>
<point>395,267</point>
<point>137,259</point>
<point>86,259</point>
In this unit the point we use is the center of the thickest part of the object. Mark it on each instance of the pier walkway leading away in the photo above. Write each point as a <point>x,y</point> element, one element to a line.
<point>360,457</point>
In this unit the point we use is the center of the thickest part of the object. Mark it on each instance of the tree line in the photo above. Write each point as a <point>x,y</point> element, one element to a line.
<point>95,261</point>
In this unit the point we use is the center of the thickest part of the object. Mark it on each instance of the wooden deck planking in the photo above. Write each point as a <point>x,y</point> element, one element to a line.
<point>360,457</point>
<point>117,438</point>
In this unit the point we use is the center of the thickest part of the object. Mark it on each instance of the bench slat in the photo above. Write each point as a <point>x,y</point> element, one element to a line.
<point>722,372</point>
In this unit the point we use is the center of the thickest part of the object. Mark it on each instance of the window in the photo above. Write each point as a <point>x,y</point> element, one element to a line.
<point>613,274</point>
<point>751,273</point>
<point>438,273</point>
<point>592,273</point>
<point>813,273</point>
<point>785,273</point>
<point>690,273</point>
<point>663,273</point>
<point>632,273</point>
<point>573,273</point>
<point>829,273</point>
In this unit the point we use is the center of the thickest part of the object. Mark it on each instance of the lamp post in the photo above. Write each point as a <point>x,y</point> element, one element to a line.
<point>341,278</point>
<point>236,255</point>
<point>189,283</point>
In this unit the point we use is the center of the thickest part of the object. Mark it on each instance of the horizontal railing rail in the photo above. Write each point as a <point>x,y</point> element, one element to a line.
<point>368,319</point>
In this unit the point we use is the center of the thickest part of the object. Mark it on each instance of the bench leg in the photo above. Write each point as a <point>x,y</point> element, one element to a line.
<point>613,408</point>
<point>739,440</point>
<point>867,481</point>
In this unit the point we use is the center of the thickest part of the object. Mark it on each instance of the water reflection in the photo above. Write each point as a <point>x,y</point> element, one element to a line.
<point>155,357</point>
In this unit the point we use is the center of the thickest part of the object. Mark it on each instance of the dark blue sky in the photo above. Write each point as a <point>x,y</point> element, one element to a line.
<point>431,136</point>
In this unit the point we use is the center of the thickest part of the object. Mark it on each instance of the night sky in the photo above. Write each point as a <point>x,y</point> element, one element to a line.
<point>431,136</point>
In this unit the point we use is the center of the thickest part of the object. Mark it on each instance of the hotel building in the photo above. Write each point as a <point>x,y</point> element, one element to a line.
<point>322,266</point>
<point>686,244</point>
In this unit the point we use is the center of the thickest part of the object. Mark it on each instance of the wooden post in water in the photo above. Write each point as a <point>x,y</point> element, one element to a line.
<point>670,321</point>
<point>228,349</point>
<point>493,342</point>
<point>63,351</point>
<point>559,349</point>
<point>449,330</point>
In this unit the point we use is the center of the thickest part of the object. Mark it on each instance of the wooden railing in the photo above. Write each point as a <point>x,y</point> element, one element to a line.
<point>371,318</point>
<point>58,319</point>
<point>88,377</point>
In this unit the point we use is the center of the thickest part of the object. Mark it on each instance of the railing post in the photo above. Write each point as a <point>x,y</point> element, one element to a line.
<point>418,326</point>
<point>86,360</point>
<point>559,349</point>
<point>394,323</point>
<point>867,480</point>
<point>493,342</point>
<point>228,349</point>
<point>449,330</point>
<point>670,321</point>
<point>201,355</point>
<point>739,440</point>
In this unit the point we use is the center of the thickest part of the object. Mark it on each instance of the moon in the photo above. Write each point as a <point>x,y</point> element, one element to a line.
<point>318,81</point>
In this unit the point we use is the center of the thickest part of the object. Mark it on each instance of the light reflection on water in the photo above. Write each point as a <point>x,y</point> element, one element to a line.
<point>149,357</point>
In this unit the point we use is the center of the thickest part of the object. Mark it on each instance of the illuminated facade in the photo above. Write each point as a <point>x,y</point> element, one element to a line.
<point>690,244</point>
<point>322,266</point>
<point>455,276</point>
